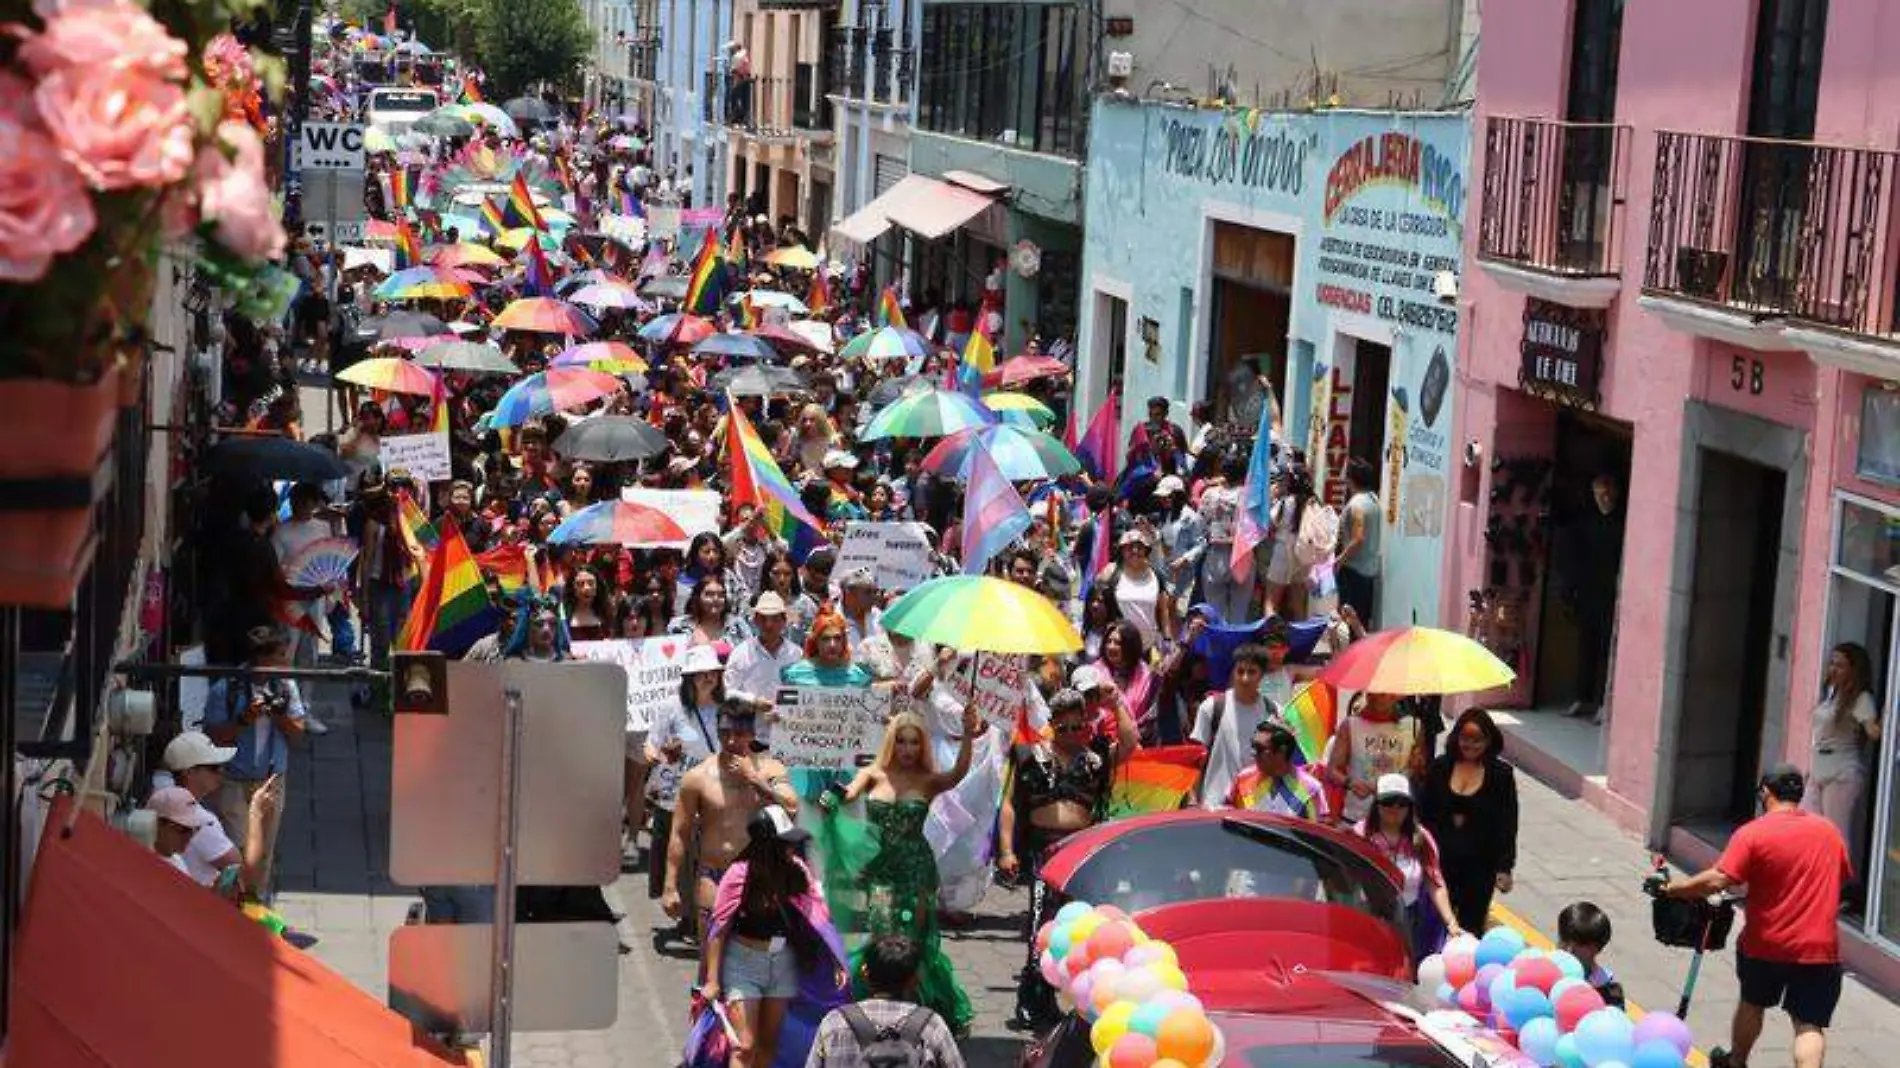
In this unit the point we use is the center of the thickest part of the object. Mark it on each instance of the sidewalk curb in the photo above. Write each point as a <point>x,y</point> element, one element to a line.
<point>1538,940</point>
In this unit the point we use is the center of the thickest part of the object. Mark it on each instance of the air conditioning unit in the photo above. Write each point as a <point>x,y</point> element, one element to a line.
<point>1121,66</point>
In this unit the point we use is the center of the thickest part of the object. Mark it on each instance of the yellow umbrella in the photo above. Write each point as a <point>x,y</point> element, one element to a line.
<point>796,258</point>
<point>1417,660</point>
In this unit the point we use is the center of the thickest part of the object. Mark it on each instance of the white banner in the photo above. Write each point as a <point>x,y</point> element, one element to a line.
<point>629,230</point>
<point>696,511</point>
<point>898,554</point>
<point>653,674</point>
<point>1004,688</point>
<point>829,728</point>
<point>424,456</point>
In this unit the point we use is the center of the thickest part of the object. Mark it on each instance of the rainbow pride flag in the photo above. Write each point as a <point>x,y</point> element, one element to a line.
<point>818,297</point>
<point>408,246</point>
<point>706,282</point>
<point>452,611</point>
<point>562,173</point>
<point>979,359</point>
<point>508,563</point>
<point>439,403</point>
<point>736,251</point>
<point>415,528</point>
<point>757,480</point>
<point>520,209</point>
<point>1312,715</point>
<point>748,313</point>
<point>889,311</point>
<point>1155,780</point>
<point>471,91</point>
<point>493,218</point>
<point>540,280</point>
<point>402,188</point>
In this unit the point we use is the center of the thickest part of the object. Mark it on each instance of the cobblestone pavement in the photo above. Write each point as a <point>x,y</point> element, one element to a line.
<point>333,882</point>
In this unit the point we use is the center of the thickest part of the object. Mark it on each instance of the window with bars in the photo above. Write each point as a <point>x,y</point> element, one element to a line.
<point>1017,74</point>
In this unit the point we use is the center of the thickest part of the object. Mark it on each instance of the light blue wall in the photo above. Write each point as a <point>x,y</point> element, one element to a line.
<point>692,33</point>
<point>1041,184</point>
<point>1160,176</point>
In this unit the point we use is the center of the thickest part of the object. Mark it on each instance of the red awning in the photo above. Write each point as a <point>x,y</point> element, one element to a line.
<point>122,962</point>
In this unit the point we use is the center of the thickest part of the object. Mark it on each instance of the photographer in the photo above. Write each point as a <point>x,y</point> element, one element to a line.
<point>258,718</point>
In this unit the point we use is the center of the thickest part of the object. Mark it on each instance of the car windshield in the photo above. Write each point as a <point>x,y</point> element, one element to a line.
<point>402,101</point>
<point>1172,862</point>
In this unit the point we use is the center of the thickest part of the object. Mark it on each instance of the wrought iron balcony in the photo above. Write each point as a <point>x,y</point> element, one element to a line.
<point>713,104</point>
<point>893,65</point>
<point>1776,229</point>
<point>1553,195</point>
<point>844,69</point>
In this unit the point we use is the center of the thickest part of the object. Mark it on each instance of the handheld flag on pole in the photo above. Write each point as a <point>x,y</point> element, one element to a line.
<point>706,284</point>
<point>452,611</point>
<point>757,480</point>
<point>1312,715</point>
<point>493,218</point>
<point>1096,450</point>
<point>736,251</point>
<point>979,359</point>
<point>471,92</point>
<point>1254,517</point>
<point>993,513</point>
<point>402,188</point>
<point>818,297</point>
<point>540,280</point>
<point>408,248</point>
<point>748,313</point>
<point>521,210</point>
<point>889,311</point>
<point>1155,780</point>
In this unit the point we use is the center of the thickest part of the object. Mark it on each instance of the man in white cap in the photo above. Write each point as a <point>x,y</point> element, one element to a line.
<point>752,671</point>
<point>197,765</point>
<point>1182,534</point>
<point>180,818</point>
<point>863,619</point>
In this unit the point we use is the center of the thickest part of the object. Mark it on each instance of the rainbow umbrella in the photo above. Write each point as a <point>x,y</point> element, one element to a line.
<point>391,374</point>
<point>886,343</point>
<point>610,295</point>
<point>613,357</point>
<point>422,283</point>
<point>1020,409</point>
<point>772,298</point>
<point>678,329</point>
<point>618,523</point>
<point>556,389</point>
<point>1019,369</point>
<point>1022,455</point>
<point>928,413</point>
<point>467,254</point>
<point>545,315</point>
<point>976,613</point>
<point>796,258</point>
<point>1417,660</point>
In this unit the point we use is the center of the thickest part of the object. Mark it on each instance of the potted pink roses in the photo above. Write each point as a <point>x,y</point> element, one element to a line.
<point>115,141</point>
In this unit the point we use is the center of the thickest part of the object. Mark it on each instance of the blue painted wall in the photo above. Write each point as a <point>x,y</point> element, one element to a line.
<point>1377,203</point>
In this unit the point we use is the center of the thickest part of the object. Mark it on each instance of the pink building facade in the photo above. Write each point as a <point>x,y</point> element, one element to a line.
<point>1680,299</point>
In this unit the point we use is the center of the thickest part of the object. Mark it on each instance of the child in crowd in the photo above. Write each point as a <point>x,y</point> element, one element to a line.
<point>1583,931</point>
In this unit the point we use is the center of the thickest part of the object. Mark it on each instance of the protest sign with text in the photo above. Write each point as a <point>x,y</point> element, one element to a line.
<point>653,674</point>
<point>828,728</point>
<point>424,456</point>
<point>898,554</point>
<point>1004,688</point>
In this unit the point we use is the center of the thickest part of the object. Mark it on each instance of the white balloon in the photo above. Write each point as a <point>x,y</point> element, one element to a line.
<point>1431,972</point>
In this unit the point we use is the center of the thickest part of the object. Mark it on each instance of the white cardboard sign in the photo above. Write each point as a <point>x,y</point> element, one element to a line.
<point>653,674</point>
<point>898,554</point>
<point>424,456</point>
<point>829,728</point>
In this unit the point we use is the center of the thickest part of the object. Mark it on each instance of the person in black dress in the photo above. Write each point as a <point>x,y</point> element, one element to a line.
<point>1469,803</point>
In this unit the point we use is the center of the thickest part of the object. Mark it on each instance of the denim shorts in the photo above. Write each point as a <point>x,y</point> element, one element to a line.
<point>748,973</point>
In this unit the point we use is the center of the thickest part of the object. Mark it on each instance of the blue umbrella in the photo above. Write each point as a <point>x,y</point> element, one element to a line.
<point>740,346</point>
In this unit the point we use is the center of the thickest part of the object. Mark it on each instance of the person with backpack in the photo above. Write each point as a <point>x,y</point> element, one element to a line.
<point>1304,531</point>
<point>887,1029</point>
<point>1137,591</point>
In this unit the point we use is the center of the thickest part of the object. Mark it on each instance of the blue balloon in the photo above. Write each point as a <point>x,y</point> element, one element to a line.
<point>1538,1040</point>
<point>1527,1003</point>
<point>1566,1052</point>
<point>1605,1035</point>
<point>1447,995</point>
<point>1656,1053</point>
<point>1500,945</point>
<point>1072,912</point>
<point>1558,988</point>
<point>1060,941</point>
<point>1147,1019</point>
<point>1567,963</point>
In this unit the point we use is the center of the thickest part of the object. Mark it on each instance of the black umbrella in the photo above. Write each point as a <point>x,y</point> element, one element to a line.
<point>470,357</point>
<point>609,438</point>
<point>758,380</point>
<point>400,324</point>
<point>742,346</point>
<point>528,109</point>
<point>273,457</point>
<point>893,388</point>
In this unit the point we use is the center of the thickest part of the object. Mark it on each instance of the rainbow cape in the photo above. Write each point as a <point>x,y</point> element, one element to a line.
<point>493,218</point>
<point>1312,715</point>
<point>889,311</point>
<point>1155,780</point>
<point>757,480</point>
<point>818,297</point>
<point>706,282</point>
<point>451,612</point>
<point>1253,788</point>
<point>520,209</point>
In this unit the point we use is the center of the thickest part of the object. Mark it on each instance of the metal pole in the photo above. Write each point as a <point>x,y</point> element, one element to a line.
<point>144,670</point>
<point>501,1005</point>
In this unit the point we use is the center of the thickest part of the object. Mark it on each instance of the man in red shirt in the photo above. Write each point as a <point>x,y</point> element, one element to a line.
<point>1789,954</point>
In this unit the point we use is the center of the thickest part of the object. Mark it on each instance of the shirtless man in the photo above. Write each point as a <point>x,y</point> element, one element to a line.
<point>716,799</point>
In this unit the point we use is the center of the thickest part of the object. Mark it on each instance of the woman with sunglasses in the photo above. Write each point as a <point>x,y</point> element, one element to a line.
<point>1469,802</point>
<point>1393,829</point>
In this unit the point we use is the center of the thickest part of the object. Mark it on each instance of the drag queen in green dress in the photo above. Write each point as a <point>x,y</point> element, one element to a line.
<point>880,873</point>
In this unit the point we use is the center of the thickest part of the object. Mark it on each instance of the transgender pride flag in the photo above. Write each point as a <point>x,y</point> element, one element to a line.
<point>993,513</point>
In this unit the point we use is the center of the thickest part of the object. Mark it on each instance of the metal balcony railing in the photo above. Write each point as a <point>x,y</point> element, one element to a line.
<point>1776,228</point>
<point>1553,195</point>
<point>844,66</point>
<point>893,65</point>
<point>713,103</point>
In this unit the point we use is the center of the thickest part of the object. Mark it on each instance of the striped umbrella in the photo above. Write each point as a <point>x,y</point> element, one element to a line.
<point>422,283</point>
<point>545,315</point>
<point>678,329</point>
<point>613,357</point>
<point>886,343</point>
<point>1020,409</point>
<point>557,389</point>
<point>391,374</point>
<point>929,413</point>
<point>1022,455</point>
<point>1414,660</point>
<point>618,523</point>
<point>976,613</point>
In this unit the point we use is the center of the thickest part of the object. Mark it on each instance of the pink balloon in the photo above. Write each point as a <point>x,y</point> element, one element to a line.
<point>1540,972</point>
<point>1460,967</point>
<point>1052,972</point>
<point>1468,999</point>
<point>1132,1050</point>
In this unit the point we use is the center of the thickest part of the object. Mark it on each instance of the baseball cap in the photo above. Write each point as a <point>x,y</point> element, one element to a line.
<point>860,577</point>
<point>769,604</point>
<point>194,749</point>
<point>1088,677</point>
<point>699,660</point>
<point>1136,536</point>
<point>838,458</point>
<point>1394,787</point>
<point>175,803</point>
<point>1785,782</point>
<point>1169,485</point>
<point>773,823</point>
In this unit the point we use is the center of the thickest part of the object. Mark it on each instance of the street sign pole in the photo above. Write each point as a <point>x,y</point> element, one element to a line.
<point>501,1012</point>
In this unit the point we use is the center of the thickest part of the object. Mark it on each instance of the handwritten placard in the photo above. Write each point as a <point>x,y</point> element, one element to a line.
<point>653,674</point>
<point>424,456</point>
<point>696,511</point>
<point>1004,688</point>
<point>898,554</point>
<point>828,728</point>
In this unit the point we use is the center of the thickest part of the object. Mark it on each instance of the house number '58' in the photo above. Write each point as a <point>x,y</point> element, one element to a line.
<point>1745,373</point>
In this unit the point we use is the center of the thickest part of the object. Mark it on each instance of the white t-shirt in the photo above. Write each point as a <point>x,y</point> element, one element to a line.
<point>697,732</point>
<point>1139,598</point>
<point>1226,743</point>
<point>207,845</point>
